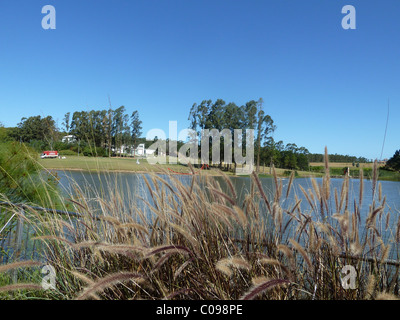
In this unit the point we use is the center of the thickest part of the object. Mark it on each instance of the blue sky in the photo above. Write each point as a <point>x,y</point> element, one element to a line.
<point>322,85</point>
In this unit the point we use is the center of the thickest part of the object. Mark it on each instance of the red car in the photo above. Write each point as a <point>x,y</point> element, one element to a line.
<point>49,154</point>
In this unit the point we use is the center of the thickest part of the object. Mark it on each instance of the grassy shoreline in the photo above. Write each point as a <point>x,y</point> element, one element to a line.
<point>129,165</point>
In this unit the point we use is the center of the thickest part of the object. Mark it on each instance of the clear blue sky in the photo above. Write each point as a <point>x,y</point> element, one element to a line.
<point>321,84</point>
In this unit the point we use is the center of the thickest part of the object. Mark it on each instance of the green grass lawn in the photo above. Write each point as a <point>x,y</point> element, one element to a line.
<point>130,165</point>
<point>110,164</point>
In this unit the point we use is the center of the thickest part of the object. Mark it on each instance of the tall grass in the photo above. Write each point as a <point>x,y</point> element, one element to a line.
<point>197,241</point>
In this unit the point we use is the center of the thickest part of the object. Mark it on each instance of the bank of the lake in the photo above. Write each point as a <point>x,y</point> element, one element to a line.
<point>131,165</point>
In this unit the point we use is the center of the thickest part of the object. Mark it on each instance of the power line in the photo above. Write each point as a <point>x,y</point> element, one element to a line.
<point>384,137</point>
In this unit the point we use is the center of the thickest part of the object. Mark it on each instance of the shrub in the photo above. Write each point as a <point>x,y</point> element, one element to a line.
<point>21,179</point>
<point>67,153</point>
<point>317,169</point>
<point>95,152</point>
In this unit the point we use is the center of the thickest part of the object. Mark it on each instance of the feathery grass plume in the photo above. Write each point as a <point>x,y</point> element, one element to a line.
<point>223,195</point>
<point>387,221</point>
<point>326,160</point>
<point>20,264</point>
<point>218,209</point>
<point>241,216</point>
<point>20,286</point>
<point>302,252</point>
<point>181,268</point>
<point>256,281</point>
<point>380,192</point>
<point>343,193</point>
<point>386,296</point>
<point>372,217</point>
<point>311,238</point>
<point>131,251</point>
<point>187,235</point>
<point>86,280</point>
<point>374,178</point>
<point>164,258</point>
<point>385,251</point>
<point>261,190</point>
<point>290,184</point>
<point>354,225</point>
<point>256,290</point>
<point>327,177</point>
<point>316,188</point>
<point>276,263</point>
<point>370,288</point>
<point>356,248</point>
<point>307,197</point>
<point>229,184</point>
<point>285,250</point>
<point>343,221</point>
<point>225,265</point>
<point>169,248</point>
<point>361,192</point>
<point>107,282</point>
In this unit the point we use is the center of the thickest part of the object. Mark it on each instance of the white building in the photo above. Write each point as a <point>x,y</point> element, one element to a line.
<point>69,139</point>
<point>140,151</point>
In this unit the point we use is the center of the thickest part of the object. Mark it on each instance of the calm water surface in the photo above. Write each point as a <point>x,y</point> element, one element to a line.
<point>132,187</point>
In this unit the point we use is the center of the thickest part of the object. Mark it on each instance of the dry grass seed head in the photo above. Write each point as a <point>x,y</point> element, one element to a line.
<point>263,287</point>
<point>225,265</point>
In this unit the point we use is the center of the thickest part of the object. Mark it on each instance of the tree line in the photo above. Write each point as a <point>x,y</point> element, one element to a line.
<point>99,132</point>
<point>221,115</point>
<point>318,157</point>
<point>105,128</point>
<point>96,132</point>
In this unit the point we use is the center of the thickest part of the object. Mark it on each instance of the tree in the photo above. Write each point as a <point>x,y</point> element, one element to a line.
<point>265,126</point>
<point>120,127</point>
<point>36,128</point>
<point>136,128</point>
<point>394,162</point>
<point>3,133</point>
<point>66,122</point>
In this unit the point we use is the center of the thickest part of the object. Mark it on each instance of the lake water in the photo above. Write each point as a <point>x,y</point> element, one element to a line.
<point>132,186</point>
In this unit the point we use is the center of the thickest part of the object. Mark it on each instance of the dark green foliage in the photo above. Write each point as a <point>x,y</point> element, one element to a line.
<point>67,152</point>
<point>318,157</point>
<point>394,162</point>
<point>21,179</point>
<point>36,128</point>
<point>287,157</point>
<point>95,152</point>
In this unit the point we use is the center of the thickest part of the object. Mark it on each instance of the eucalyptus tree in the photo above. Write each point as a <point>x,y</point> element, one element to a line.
<point>67,122</point>
<point>136,128</point>
<point>265,126</point>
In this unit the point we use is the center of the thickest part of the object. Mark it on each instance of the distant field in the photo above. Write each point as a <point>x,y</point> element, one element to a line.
<point>343,164</point>
<point>108,164</point>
